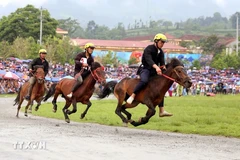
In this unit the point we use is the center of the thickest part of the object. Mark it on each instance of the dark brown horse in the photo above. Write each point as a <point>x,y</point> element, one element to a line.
<point>82,94</point>
<point>151,95</point>
<point>37,91</point>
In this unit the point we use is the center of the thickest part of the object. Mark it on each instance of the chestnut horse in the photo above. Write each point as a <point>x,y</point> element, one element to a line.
<point>151,95</point>
<point>82,94</point>
<point>38,90</point>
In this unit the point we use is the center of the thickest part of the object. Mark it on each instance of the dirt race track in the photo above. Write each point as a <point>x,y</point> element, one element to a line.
<point>42,138</point>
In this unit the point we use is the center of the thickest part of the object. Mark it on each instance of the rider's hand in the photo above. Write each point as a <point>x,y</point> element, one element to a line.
<point>164,67</point>
<point>85,65</point>
<point>30,70</point>
<point>159,71</point>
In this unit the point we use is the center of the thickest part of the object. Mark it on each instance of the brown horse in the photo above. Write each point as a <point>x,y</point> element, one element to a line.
<point>82,94</point>
<point>151,95</point>
<point>37,91</point>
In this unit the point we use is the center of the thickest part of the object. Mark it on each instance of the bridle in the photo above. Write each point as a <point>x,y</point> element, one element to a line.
<point>172,79</point>
<point>39,80</point>
<point>96,76</point>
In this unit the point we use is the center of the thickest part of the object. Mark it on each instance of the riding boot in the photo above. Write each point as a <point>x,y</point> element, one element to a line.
<point>27,97</point>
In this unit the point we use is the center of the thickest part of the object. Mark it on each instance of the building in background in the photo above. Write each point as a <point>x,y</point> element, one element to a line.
<point>125,49</point>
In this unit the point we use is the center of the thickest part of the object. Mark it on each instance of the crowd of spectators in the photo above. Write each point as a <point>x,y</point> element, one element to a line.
<point>206,81</point>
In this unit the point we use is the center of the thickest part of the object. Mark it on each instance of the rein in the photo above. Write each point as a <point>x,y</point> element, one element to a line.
<point>172,79</point>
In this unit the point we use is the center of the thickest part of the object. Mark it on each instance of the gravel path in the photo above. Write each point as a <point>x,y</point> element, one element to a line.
<point>43,138</point>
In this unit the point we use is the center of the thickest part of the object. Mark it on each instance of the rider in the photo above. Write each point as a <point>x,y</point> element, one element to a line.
<point>82,61</point>
<point>37,61</point>
<point>153,55</point>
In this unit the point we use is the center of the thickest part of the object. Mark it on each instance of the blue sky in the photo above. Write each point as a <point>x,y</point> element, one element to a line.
<point>110,12</point>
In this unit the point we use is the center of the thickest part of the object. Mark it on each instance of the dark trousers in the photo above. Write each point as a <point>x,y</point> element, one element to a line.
<point>161,104</point>
<point>144,78</point>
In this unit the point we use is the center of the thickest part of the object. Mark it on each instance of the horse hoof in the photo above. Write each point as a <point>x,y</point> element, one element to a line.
<point>25,115</point>
<point>130,121</point>
<point>125,124</point>
<point>82,116</point>
<point>54,110</point>
<point>140,119</point>
<point>36,109</point>
<point>67,120</point>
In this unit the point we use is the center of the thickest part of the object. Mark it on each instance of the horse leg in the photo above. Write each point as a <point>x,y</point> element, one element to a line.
<point>54,101</point>
<point>143,120</point>
<point>65,109</point>
<point>30,108</point>
<point>89,104</point>
<point>39,100</point>
<point>129,115</point>
<point>118,112</point>
<point>26,108</point>
<point>74,104</point>
<point>19,106</point>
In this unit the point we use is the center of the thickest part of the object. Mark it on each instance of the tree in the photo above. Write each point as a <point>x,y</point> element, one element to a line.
<point>25,48</point>
<point>90,31</point>
<point>132,60</point>
<point>210,45</point>
<point>117,32</point>
<point>219,64</point>
<point>196,64</point>
<point>110,58</point>
<point>5,49</point>
<point>233,19</point>
<point>167,24</point>
<point>72,26</point>
<point>222,61</point>
<point>24,22</point>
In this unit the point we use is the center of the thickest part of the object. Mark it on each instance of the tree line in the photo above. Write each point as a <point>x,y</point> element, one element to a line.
<point>20,32</point>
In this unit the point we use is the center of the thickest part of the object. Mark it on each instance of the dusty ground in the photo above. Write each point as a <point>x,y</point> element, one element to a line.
<point>41,138</point>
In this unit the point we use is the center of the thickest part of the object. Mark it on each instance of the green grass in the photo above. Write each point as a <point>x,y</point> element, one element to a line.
<point>203,115</point>
<point>8,95</point>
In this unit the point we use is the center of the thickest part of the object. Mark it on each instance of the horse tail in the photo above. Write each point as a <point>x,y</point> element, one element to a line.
<point>50,92</point>
<point>107,90</point>
<point>18,97</point>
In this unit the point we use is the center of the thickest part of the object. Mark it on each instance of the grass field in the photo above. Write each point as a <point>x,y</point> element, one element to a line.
<point>203,115</point>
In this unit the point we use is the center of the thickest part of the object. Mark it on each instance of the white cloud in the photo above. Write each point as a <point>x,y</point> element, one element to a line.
<point>22,3</point>
<point>192,2</point>
<point>89,3</point>
<point>220,3</point>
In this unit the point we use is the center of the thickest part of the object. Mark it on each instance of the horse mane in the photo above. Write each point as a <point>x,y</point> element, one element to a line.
<point>174,63</point>
<point>95,65</point>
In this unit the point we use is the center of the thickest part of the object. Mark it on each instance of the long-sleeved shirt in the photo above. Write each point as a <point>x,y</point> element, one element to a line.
<point>79,62</point>
<point>39,61</point>
<point>152,55</point>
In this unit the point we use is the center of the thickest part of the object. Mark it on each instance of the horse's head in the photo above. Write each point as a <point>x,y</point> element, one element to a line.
<point>178,73</point>
<point>39,74</point>
<point>98,73</point>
